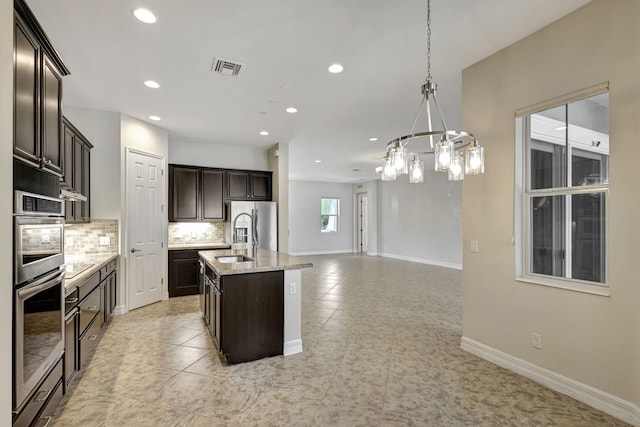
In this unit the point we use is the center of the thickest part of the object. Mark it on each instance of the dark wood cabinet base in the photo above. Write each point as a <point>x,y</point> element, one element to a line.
<point>252,316</point>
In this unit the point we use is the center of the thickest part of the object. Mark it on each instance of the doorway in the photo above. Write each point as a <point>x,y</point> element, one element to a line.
<point>145,219</point>
<point>362,227</point>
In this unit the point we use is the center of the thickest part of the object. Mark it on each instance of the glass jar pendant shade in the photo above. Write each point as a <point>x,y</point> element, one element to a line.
<point>474,164</point>
<point>456,169</point>
<point>444,153</point>
<point>399,160</point>
<point>388,170</point>
<point>416,170</point>
<point>448,151</point>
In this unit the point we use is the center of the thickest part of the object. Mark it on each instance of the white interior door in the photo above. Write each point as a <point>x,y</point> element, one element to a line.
<point>362,226</point>
<point>145,186</point>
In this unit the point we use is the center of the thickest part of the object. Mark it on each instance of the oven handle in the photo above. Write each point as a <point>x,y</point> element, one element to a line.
<point>40,285</point>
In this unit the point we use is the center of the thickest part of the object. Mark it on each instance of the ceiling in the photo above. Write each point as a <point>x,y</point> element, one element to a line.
<point>286,47</point>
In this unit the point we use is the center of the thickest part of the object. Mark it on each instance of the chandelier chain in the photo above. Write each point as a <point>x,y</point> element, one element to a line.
<point>428,40</point>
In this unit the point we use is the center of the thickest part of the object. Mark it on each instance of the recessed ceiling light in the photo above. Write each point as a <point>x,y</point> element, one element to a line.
<point>264,133</point>
<point>355,170</point>
<point>154,118</point>
<point>318,161</point>
<point>336,68</point>
<point>373,139</point>
<point>144,15</point>
<point>152,84</point>
<point>291,110</point>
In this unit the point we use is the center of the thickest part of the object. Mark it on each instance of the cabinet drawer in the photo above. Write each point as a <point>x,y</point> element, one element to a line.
<point>39,399</point>
<point>107,270</point>
<point>88,343</point>
<point>87,286</point>
<point>90,308</point>
<point>45,417</point>
<point>70,301</point>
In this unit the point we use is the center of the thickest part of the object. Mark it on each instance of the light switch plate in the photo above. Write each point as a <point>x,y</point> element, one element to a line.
<point>293,289</point>
<point>106,240</point>
<point>474,246</point>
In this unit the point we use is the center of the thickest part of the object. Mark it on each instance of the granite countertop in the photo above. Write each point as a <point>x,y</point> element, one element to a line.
<point>264,260</point>
<point>180,246</point>
<point>98,261</point>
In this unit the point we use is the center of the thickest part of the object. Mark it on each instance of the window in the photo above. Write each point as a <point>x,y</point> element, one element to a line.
<point>329,213</point>
<point>563,156</point>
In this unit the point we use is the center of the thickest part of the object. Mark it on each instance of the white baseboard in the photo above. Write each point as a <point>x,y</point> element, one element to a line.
<point>292,347</point>
<point>119,310</point>
<point>423,261</point>
<point>605,402</point>
<point>339,251</point>
<point>372,253</point>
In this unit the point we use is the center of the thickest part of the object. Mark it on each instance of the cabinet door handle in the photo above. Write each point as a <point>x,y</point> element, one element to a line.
<point>72,301</point>
<point>136,250</point>
<point>93,337</point>
<point>39,398</point>
<point>92,308</point>
<point>48,419</point>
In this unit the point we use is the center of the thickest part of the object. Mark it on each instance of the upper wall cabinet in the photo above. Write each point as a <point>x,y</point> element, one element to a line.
<point>196,194</point>
<point>38,72</point>
<point>76,161</point>
<point>249,185</point>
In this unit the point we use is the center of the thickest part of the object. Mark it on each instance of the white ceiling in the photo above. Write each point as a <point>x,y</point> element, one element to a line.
<point>286,46</point>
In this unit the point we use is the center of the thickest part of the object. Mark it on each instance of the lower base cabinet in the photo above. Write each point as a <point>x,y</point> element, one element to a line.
<point>184,270</point>
<point>89,341</point>
<point>247,315</point>
<point>42,405</point>
<point>71,364</point>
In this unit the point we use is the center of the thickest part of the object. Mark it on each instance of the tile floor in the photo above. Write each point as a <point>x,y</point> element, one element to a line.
<point>382,348</point>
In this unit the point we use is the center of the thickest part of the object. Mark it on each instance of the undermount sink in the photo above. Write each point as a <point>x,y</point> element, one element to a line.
<point>228,259</point>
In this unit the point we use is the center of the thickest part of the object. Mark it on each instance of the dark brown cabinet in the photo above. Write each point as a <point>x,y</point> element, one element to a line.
<point>212,195</point>
<point>38,72</point>
<point>196,194</point>
<point>71,346</point>
<point>184,271</point>
<point>184,193</point>
<point>88,309</point>
<point>76,172</point>
<point>108,285</point>
<point>246,314</point>
<point>249,185</point>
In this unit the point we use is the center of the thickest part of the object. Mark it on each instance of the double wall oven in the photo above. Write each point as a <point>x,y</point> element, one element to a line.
<point>38,282</point>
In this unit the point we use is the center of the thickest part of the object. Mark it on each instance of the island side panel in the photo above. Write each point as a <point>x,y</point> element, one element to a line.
<point>292,312</point>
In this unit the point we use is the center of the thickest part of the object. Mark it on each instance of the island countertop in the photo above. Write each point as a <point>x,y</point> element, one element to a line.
<point>264,260</point>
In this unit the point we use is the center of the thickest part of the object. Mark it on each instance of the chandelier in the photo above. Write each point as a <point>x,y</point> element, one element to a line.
<point>448,151</point>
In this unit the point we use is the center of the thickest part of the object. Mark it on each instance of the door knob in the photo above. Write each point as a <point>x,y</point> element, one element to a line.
<point>136,250</point>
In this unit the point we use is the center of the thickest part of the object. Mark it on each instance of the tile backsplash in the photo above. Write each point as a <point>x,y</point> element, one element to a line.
<point>84,239</point>
<point>195,232</point>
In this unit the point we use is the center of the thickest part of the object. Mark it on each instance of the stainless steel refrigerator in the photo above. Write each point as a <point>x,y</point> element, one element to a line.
<point>248,222</point>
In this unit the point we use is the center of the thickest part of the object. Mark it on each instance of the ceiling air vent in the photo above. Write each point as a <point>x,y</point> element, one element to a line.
<point>226,67</point>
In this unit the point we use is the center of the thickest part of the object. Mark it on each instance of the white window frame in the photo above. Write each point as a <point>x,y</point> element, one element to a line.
<point>524,194</point>
<point>336,215</point>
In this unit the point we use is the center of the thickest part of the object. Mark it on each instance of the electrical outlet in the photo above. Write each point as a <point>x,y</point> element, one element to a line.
<point>537,341</point>
<point>293,289</point>
<point>474,246</point>
<point>105,241</point>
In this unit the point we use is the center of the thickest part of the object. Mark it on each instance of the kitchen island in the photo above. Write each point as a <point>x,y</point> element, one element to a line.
<point>251,302</point>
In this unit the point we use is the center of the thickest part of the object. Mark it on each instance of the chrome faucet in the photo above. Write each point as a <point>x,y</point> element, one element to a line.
<point>254,229</point>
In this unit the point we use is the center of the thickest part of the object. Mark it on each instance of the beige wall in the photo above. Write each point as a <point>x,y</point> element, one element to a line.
<point>6,207</point>
<point>592,339</point>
